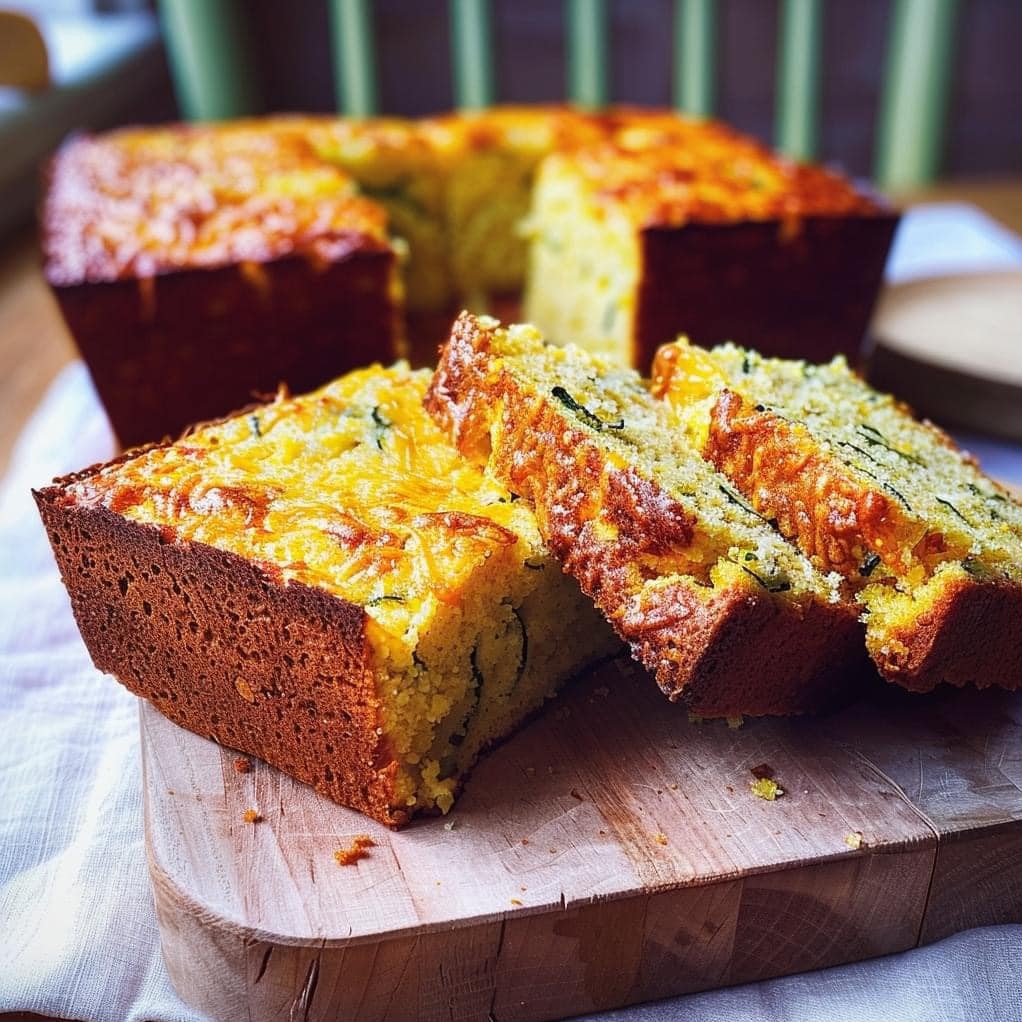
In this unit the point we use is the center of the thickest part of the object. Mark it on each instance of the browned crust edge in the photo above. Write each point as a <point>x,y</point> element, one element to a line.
<point>972,635</point>
<point>218,645</point>
<point>815,499</point>
<point>738,652</point>
<point>806,293</point>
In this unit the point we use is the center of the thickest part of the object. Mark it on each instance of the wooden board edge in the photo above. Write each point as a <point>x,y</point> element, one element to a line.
<point>533,967</point>
<point>183,901</point>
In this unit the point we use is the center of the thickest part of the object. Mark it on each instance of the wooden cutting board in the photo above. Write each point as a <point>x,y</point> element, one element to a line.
<point>611,852</point>
<point>952,348</point>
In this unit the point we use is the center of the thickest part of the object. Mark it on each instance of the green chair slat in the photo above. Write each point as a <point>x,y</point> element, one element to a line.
<point>798,78</point>
<point>212,66</point>
<point>354,50</point>
<point>695,52</point>
<point>914,102</point>
<point>587,52</point>
<point>472,53</point>
<point>215,78</point>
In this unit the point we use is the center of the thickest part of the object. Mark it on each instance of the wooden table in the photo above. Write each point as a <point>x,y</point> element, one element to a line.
<point>34,343</point>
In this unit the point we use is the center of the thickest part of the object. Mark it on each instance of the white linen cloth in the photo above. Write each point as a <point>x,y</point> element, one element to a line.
<point>78,935</point>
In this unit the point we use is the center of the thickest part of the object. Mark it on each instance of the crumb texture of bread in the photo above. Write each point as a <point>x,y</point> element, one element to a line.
<point>921,535</point>
<point>325,583</point>
<point>714,602</point>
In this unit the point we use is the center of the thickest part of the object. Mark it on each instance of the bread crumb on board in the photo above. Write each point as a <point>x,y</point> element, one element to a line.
<point>660,839</point>
<point>242,765</point>
<point>855,840</point>
<point>252,816</point>
<point>358,849</point>
<point>764,786</point>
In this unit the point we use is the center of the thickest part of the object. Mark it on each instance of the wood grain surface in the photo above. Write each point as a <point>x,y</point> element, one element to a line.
<point>612,852</point>
<point>951,347</point>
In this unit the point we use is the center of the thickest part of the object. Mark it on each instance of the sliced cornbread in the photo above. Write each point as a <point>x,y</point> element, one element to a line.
<point>714,602</point>
<point>932,547</point>
<point>669,224</point>
<point>325,583</point>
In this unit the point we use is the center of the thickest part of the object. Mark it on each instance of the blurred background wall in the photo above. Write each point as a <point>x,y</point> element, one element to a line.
<point>984,129</point>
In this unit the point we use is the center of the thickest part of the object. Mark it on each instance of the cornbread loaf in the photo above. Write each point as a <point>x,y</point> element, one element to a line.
<point>714,602</point>
<point>197,265</point>
<point>672,225</point>
<point>325,583</point>
<point>930,545</point>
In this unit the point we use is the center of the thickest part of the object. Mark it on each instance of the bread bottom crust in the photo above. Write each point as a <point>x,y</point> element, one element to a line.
<point>972,635</point>
<point>189,346</point>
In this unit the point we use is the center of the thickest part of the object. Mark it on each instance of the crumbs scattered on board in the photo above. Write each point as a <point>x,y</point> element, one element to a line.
<point>854,840</point>
<point>243,765</point>
<point>764,786</point>
<point>660,839</point>
<point>358,849</point>
<point>252,816</point>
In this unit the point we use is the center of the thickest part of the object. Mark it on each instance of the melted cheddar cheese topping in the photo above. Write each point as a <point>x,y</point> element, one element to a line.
<point>351,488</point>
<point>667,170</point>
<point>139,202</point>
<point>469,625</point>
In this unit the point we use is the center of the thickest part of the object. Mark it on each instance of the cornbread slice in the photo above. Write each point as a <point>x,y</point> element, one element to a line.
<point>325,583</point>
<point>636,238</point>
<point>714,602</point>
<point>932,547</point>
<point>198,265</point>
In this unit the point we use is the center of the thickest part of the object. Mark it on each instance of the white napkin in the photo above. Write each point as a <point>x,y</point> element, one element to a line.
<point>78,936</point>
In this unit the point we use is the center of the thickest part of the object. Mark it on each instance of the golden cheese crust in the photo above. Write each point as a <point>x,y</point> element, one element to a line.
<point>140,202</point>
<point>665,170</point>
<point>810,493</point>
<point>739,650</point>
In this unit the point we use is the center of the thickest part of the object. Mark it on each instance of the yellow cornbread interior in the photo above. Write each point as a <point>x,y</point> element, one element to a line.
<point>731,545</point>
<point>456,190</point>
<point>937,489</point>
<point>353,489</point>
<point>583,265</point>
<point>492,156</point>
